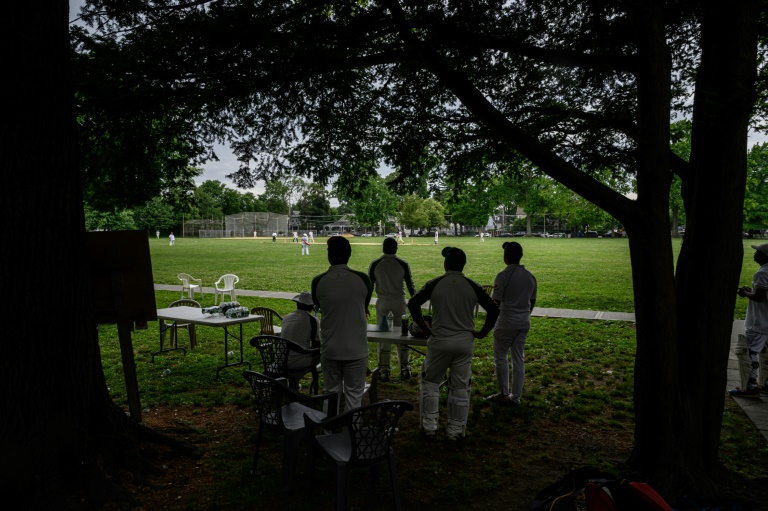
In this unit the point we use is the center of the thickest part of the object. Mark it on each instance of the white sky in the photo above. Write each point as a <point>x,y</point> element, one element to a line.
<point>227,164</point>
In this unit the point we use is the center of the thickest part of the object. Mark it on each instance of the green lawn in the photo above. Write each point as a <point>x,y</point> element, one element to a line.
<point>578,385</point>
<point>581,273</point>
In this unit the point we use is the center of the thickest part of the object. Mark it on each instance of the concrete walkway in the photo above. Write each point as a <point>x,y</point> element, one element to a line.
<point>756,409</point>
<point>538,311</point>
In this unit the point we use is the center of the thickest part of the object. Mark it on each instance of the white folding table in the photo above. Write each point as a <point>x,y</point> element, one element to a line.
<point>194,315</point>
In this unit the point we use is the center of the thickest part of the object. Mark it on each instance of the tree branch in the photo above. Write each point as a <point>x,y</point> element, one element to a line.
<point>553,165</point>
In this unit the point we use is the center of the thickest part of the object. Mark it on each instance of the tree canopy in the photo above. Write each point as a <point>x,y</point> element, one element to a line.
<point>371,200</point>
<point>756,200</point>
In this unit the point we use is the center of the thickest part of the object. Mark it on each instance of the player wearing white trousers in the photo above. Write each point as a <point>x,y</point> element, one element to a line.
<point>398,309</point>
<point>514,291</point>
<point>390,277</point>
<point>756,321</point>
<point>454,354</point>
<point>451,341</point>
<point>343,296</point>
<point>512,342</point>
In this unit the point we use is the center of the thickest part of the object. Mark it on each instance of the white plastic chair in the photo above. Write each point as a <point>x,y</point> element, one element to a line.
<point>226,284</point>
<point>190,285</point>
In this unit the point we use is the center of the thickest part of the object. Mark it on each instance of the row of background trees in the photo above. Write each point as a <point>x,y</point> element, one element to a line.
<point>548,205</point>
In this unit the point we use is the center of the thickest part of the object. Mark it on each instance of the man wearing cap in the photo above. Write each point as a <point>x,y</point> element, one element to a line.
<point>301,327</point>
<point>514,291</point>
<point>451,341</point>
<point>343,296</point>
<point>389,276</point>
<point>756,322</point>
<point>304,244</point>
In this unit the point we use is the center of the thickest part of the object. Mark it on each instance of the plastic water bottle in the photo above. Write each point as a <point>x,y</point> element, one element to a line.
<point>165,373</point>
<point>390,321</point>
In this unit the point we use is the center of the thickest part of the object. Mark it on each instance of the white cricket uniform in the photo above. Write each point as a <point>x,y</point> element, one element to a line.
<point>389,276</point>
<point>514,287</point>
<point>450,346</point>
<point>343,296</point>
<point>756,322</point>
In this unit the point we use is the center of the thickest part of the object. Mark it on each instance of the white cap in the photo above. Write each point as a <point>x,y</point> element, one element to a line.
<point>304,298</point>
<point>761,248</point>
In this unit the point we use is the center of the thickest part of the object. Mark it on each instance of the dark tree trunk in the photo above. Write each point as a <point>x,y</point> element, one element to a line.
<point>708,273</point>
<point>651,252</point>
<point>58,421</point>
<point>46,404</point>
<point>683,329</point>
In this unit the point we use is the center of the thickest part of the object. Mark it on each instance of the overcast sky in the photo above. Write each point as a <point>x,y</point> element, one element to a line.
<point>227,164</point>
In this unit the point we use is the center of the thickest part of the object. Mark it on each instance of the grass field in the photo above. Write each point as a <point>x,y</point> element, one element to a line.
<point>581,273</point>
<point>577,402</point>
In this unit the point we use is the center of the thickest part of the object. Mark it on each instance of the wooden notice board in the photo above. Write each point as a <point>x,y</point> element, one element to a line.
<point>121,276</point>
<point>123,293</point>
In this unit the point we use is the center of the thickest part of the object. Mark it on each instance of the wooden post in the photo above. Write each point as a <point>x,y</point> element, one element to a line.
<point>129,369</point>
<point>121,282</point>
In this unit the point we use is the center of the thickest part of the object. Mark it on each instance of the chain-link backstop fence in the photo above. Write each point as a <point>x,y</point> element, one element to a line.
<point>248,224</point>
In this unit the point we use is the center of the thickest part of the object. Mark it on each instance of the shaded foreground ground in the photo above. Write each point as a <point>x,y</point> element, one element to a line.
<point>507,457</point>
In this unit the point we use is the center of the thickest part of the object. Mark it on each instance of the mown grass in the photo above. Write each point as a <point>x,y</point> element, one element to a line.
<point>570,364</point>
<point>592,274</point>
<point>581,273</point>
<point>579,378</point>
<point>578,389</point>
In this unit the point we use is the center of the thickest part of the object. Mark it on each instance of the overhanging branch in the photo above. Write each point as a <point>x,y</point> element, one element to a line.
<point>550,163</point>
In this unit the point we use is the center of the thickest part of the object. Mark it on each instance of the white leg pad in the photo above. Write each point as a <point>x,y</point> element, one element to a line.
<point>385,356</point>
<point>458,411</point>
<point>429,398</point>
<point>403,355</point>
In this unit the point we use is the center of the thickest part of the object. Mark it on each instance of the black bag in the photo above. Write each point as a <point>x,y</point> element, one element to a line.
<point>416,331</point>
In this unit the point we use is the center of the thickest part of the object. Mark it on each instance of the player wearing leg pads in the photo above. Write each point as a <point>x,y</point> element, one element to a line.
<point>451,339</point>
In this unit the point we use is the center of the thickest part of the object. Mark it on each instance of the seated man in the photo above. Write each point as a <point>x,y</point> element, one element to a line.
<point>301,327</point>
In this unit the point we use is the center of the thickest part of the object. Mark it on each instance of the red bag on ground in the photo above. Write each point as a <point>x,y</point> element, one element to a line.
<point>598,498</point>
<point>649,495</point>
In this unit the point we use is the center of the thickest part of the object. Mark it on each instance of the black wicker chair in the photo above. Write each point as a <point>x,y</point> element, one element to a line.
<point>282,409</point>
<point>364,438</point>
<point>275,352</point>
